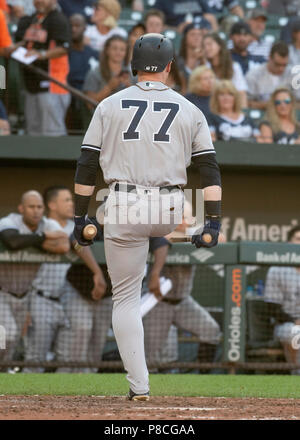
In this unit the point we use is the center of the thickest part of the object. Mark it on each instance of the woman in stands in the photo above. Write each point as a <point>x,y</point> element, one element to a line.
<point>281,125</point>
<point>200,87</point>
<point>227,121</point>
<point>111,75</point>
<point>219,59</point>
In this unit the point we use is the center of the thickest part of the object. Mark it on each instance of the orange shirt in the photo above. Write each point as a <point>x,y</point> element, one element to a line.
<point>3,5</point>
<point>5,40</point>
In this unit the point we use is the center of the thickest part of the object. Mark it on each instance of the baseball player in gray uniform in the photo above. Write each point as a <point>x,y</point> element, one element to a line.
<point>146,136</point>
<point>51,315</point>
<point>29,228</point>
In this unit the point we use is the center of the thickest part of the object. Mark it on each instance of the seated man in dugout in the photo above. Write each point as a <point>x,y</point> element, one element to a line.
<point>283,295</point>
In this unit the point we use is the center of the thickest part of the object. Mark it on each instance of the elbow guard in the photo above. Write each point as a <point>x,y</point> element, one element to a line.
<point>87,166</point>
<point>209,170</point>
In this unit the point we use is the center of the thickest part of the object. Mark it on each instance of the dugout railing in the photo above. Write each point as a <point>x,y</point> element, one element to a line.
<point>228,283</point>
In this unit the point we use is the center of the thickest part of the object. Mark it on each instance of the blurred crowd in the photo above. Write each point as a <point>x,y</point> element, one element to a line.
<point>236,60</point>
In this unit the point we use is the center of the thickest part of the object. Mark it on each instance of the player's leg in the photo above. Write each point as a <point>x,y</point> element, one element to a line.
<point>169,215</point>
<point>156,327</point>
<point>192,317</point>
<point>102,311</point>
<point>8,327</point>
<point>45,318</point>
<point>73,339</point>
<point>289,336</point>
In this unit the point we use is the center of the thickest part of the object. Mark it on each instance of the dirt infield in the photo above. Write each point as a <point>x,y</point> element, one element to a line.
<point>158,408</point>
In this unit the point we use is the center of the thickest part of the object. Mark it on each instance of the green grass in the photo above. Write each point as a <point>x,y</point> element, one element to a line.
<point>284,386</point>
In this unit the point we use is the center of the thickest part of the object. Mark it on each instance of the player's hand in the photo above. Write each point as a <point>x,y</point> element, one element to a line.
<point>80,223</point>
<point>154,286</point>
<point>211,227</point>
<point>55,235</point>
<point>99,286</point>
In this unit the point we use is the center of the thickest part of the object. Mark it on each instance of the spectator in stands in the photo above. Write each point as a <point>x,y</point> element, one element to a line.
<point>47,311</point>
<point>3,5</point>
<point>111,75</point>
<point>264,79</point>
<point>6,45</point>
<point>46,35</point>
<point>257,19</point>
<point>135,32</point>
<point>21,7</point>
<point>154,21</point>
<point>179,13</point>
<point>82,7</point>
<point>82,58</point>
<point>294,47</point>
<point>178,307</point>
<point>227,121</point>
<point>220,61</point>
<point>4,124</point>
<point>282,294</point>
<point>221,6</point>
<point>241,37</point>
<point>201,84</point>
<point>176,79</point>
<point>28,228</point>
<point>281,124</point>
<point>105,17</point>
<point>191,51</point>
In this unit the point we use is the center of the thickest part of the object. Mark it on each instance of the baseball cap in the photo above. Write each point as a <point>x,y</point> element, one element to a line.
<point>256,13</point>
<point>199,24</point>
<point>240,28</point>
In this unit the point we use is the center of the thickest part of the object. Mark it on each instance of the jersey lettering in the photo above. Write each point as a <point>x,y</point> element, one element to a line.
<point>131,133</point>
<point>162,135</point>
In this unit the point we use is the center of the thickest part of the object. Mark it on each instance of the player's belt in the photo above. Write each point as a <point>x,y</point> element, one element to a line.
<point>52,298</point>
<point>16,295</point>
<point>133,188</point>
<point>174,302</point>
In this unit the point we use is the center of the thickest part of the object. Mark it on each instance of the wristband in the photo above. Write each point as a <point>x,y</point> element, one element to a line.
<point>81,205</point>
<point>212,208</point>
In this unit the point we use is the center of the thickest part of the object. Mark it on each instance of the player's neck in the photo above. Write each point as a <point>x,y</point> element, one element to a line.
<point>153,77</point>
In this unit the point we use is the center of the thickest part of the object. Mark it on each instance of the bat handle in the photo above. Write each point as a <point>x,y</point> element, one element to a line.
<point>207,238</point>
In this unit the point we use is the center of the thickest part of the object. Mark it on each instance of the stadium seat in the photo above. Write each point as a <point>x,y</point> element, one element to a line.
<point>175,37</point>
<point>129,18</point>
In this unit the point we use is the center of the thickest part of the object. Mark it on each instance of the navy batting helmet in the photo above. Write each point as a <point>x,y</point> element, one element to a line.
<point>151,53</point>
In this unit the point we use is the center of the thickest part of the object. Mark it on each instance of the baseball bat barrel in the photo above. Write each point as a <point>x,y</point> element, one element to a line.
<point>89,233</point>
<point>188,238</point>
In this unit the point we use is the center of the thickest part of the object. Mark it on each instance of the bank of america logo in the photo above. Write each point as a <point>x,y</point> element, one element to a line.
<point>202,255</point>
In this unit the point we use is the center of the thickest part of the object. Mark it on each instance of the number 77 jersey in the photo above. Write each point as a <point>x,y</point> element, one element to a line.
<point>147,135</point>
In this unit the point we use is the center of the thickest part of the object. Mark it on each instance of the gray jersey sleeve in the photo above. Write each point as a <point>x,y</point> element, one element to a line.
<point>93,137</point>
<point>8,223</point>
<point>202,142</point>
<point>273,290</point>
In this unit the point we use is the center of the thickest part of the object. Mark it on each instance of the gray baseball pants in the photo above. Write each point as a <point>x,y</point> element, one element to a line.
<point>130,219</point>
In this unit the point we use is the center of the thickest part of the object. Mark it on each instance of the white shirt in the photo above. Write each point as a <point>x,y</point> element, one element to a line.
<point>96,40</point>
<point>17,278</point>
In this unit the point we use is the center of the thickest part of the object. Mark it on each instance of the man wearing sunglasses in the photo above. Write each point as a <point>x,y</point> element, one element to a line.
<point>263,80</point>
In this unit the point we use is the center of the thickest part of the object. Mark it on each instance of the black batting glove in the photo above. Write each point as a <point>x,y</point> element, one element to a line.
<point>211,227</point>
<point>80,223</point>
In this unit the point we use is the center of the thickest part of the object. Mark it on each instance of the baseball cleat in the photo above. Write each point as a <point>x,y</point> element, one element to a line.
<point>138,397</point>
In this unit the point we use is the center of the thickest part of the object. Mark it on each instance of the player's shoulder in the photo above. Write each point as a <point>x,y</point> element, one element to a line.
<point>126,93</point>
<point>12,220</point>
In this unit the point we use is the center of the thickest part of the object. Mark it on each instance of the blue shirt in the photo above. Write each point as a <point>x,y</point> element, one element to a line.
<point>176,10</point>
<point>202,102</point>
<point>81,61</point>
<point>247,62</point>
<point>83,7</point>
